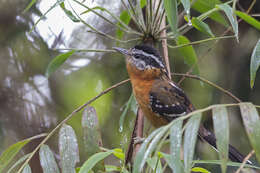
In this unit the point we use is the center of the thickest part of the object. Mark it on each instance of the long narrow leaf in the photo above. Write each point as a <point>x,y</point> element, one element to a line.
<point>20,160</point>
<point>190,138</point>
<point>219,162</point>
<point>255,63</point>
<point>252,124</point>
<point>172,14</point>
<point>29,5</point>
<point>47,160</point>
<point>93,160</point>
<point>248,19</point>
<point>7,156</point>
<point>143,3</point>
<point>122,117</point>
<point>68,148</point>
<point>186,5</point>
<point>125,17</point>
<point>200,170</point>
<point>27,169</point>
<point>175,147</point>
<point>151,161</point>
<point>120,21</point>
<point>57,62</point>
<point>121,25</point>
<point>221,128</point>
<point>189,54</point>
<point>154,142</point>
<point>231,17</point>
<point>204,6</point>
<point>201,26</point>
<point>140,157</point>
<point>91,134</point>
<point>69,13</point>
<point>96,31</point>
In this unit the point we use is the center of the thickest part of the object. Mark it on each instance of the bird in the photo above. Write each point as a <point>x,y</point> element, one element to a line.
<point>160,99</point>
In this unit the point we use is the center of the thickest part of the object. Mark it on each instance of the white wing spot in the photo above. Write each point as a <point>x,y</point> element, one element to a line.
<point>172,84</point>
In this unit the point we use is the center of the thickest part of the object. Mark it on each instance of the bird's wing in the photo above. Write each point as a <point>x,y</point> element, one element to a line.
<point>168,100</point>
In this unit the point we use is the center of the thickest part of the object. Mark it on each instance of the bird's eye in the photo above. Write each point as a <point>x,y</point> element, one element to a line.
<point>140,65</point>
<point>137,56</point>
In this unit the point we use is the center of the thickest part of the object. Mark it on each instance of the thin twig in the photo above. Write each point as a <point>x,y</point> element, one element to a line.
<point>255,15</point>
<point>96,30</point>
<point>201,41</point>
<point>251,6</point>
<point>130,150</point>
<point>165,49</point>
<point>67,118</point>
<point>139,130</point>
<point>210,83</point>
<point>126,27</point>
<point>245,160</point>
<point>86,50</point>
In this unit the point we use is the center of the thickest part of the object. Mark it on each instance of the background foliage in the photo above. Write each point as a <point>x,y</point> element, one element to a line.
<point>211,41</point>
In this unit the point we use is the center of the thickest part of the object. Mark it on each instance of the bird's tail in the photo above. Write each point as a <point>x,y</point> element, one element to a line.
<point>234,154</point>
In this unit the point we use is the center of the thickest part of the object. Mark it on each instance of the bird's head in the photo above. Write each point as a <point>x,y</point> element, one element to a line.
<point>143,61</point>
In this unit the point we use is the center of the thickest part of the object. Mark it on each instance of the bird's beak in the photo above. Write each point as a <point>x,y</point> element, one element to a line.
<point>121,50</point>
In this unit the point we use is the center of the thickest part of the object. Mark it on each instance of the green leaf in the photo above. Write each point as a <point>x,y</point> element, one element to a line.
<point>20,160</point>
<point>112,168</point>
<point>189,54</point>
<point>254,64</point>
<point>91,131</point>
<point>69,13</point>
<point>231,17</point>
<point>175,147</point>
<point>153,144</point>
<point>200,170</point>
<point>57,62</point>
<point>186,5</point>
<point>252,123</point>
<point>91,135</point>
<point>159,167</point>
<point>118,152</point>
<point>8,155</point>
<point>219,162</point>
<point>140,158</point>
<point>142,3</point>
<point>122,116</point>
<point>47,160</point>
<point>151,161</point>
<point>94,8</point>
<point>250,20</point>
<point>172,14</point>
<point>201,26</point>
<point>68,148</point>
<point>190,138</point>
<point>29,5</point>
<point>27,169</point>
<point>124,170</point>
<point>204,6</point>
<point>93,160</point>
<point>221,128</point>
<point>124,17</point>
<point>134,106</point>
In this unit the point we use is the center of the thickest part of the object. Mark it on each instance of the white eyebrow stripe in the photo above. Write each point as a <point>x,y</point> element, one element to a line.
<point>152,56</point>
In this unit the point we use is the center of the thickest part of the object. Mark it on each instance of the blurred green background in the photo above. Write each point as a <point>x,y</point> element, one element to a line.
<point>31,104</point>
